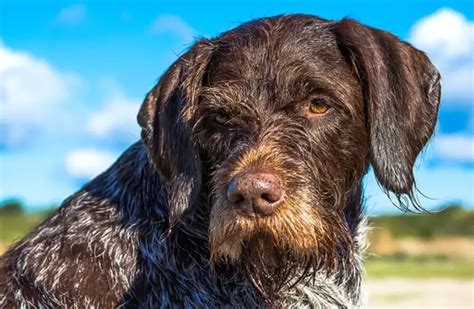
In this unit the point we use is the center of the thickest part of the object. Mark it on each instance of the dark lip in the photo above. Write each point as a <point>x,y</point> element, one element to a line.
<point>251,215</point>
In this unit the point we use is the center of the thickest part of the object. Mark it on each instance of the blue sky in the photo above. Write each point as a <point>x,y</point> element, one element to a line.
<point>73,74</point>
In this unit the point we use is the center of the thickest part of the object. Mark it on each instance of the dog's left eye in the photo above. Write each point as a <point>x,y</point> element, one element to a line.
<point>318,106</point>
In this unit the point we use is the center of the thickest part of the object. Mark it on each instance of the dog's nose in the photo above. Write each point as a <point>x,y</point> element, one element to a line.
<point>256,193</point>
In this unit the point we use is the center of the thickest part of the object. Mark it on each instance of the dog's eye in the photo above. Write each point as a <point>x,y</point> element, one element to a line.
<point>318,106</point>
<point>222,117</point>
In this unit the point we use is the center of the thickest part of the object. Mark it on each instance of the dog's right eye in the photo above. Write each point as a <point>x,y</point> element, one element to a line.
<point>222,117</point>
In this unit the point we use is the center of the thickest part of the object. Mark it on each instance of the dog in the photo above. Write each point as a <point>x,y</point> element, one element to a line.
<point>246,187</point>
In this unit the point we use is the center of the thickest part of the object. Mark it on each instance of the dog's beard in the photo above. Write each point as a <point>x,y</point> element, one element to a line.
<point>271,268</point>
<point>272,257</point>
<point>280,250</point>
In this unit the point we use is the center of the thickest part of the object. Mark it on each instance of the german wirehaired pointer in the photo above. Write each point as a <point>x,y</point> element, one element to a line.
<point>246,187</point>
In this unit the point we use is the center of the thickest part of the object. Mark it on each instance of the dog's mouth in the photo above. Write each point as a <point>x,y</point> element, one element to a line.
<point>293,228</point>
<point>298,232</point>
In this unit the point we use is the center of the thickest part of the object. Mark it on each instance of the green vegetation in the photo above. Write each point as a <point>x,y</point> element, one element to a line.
<point>420,267</point>
<point>15,223</point>
<point>452,220</point>
<point>11,207</point>
<point>13,227</point>
<point>423,245</point>
<point>443,241</point>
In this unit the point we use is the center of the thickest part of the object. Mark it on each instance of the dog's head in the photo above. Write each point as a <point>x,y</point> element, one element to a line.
<point>278,119</point>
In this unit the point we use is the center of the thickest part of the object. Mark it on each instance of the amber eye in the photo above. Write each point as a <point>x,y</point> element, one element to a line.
<point>318,106</point>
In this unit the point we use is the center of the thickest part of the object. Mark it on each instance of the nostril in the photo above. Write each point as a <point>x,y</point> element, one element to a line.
<point>236,198</point>
<point>270,198</point>
<point>265,197</point>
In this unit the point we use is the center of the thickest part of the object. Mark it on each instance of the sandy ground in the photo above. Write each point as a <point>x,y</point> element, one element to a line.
<point>420,293</point>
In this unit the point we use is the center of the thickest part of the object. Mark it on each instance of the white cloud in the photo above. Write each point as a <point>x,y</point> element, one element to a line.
<point>88,163</point>
<point>173,25</point>
<point>38,100</point>
<point>446,32</point>
<point>448,38</point>
<point>455,147</point>
<point>30,91</point>
<point>72,15</point>
<point>117,117</point>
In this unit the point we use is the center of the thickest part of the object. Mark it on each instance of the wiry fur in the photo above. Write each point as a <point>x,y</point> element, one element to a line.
<point>156,228</point>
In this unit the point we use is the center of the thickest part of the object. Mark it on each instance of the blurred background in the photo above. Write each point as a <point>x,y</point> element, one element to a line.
<point>73,74</point>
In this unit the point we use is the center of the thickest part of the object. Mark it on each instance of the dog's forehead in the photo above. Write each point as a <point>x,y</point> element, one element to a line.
<point>284,55</point>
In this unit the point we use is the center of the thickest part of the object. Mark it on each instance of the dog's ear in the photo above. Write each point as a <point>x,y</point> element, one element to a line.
<point>165,117</point>
<point>401,91</point>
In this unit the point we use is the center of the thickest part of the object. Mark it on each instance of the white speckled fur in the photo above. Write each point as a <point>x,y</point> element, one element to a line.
<point>108,246</point>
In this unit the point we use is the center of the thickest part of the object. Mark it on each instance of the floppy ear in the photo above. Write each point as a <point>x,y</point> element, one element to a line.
<point>401,91</point>
<point>164,118</point>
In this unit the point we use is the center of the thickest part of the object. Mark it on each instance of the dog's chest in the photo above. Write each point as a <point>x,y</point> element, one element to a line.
<point>194,285</point>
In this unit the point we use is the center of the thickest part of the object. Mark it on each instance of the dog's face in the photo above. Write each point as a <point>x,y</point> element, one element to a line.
<point>281,131</point>
<point>277,121</point>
